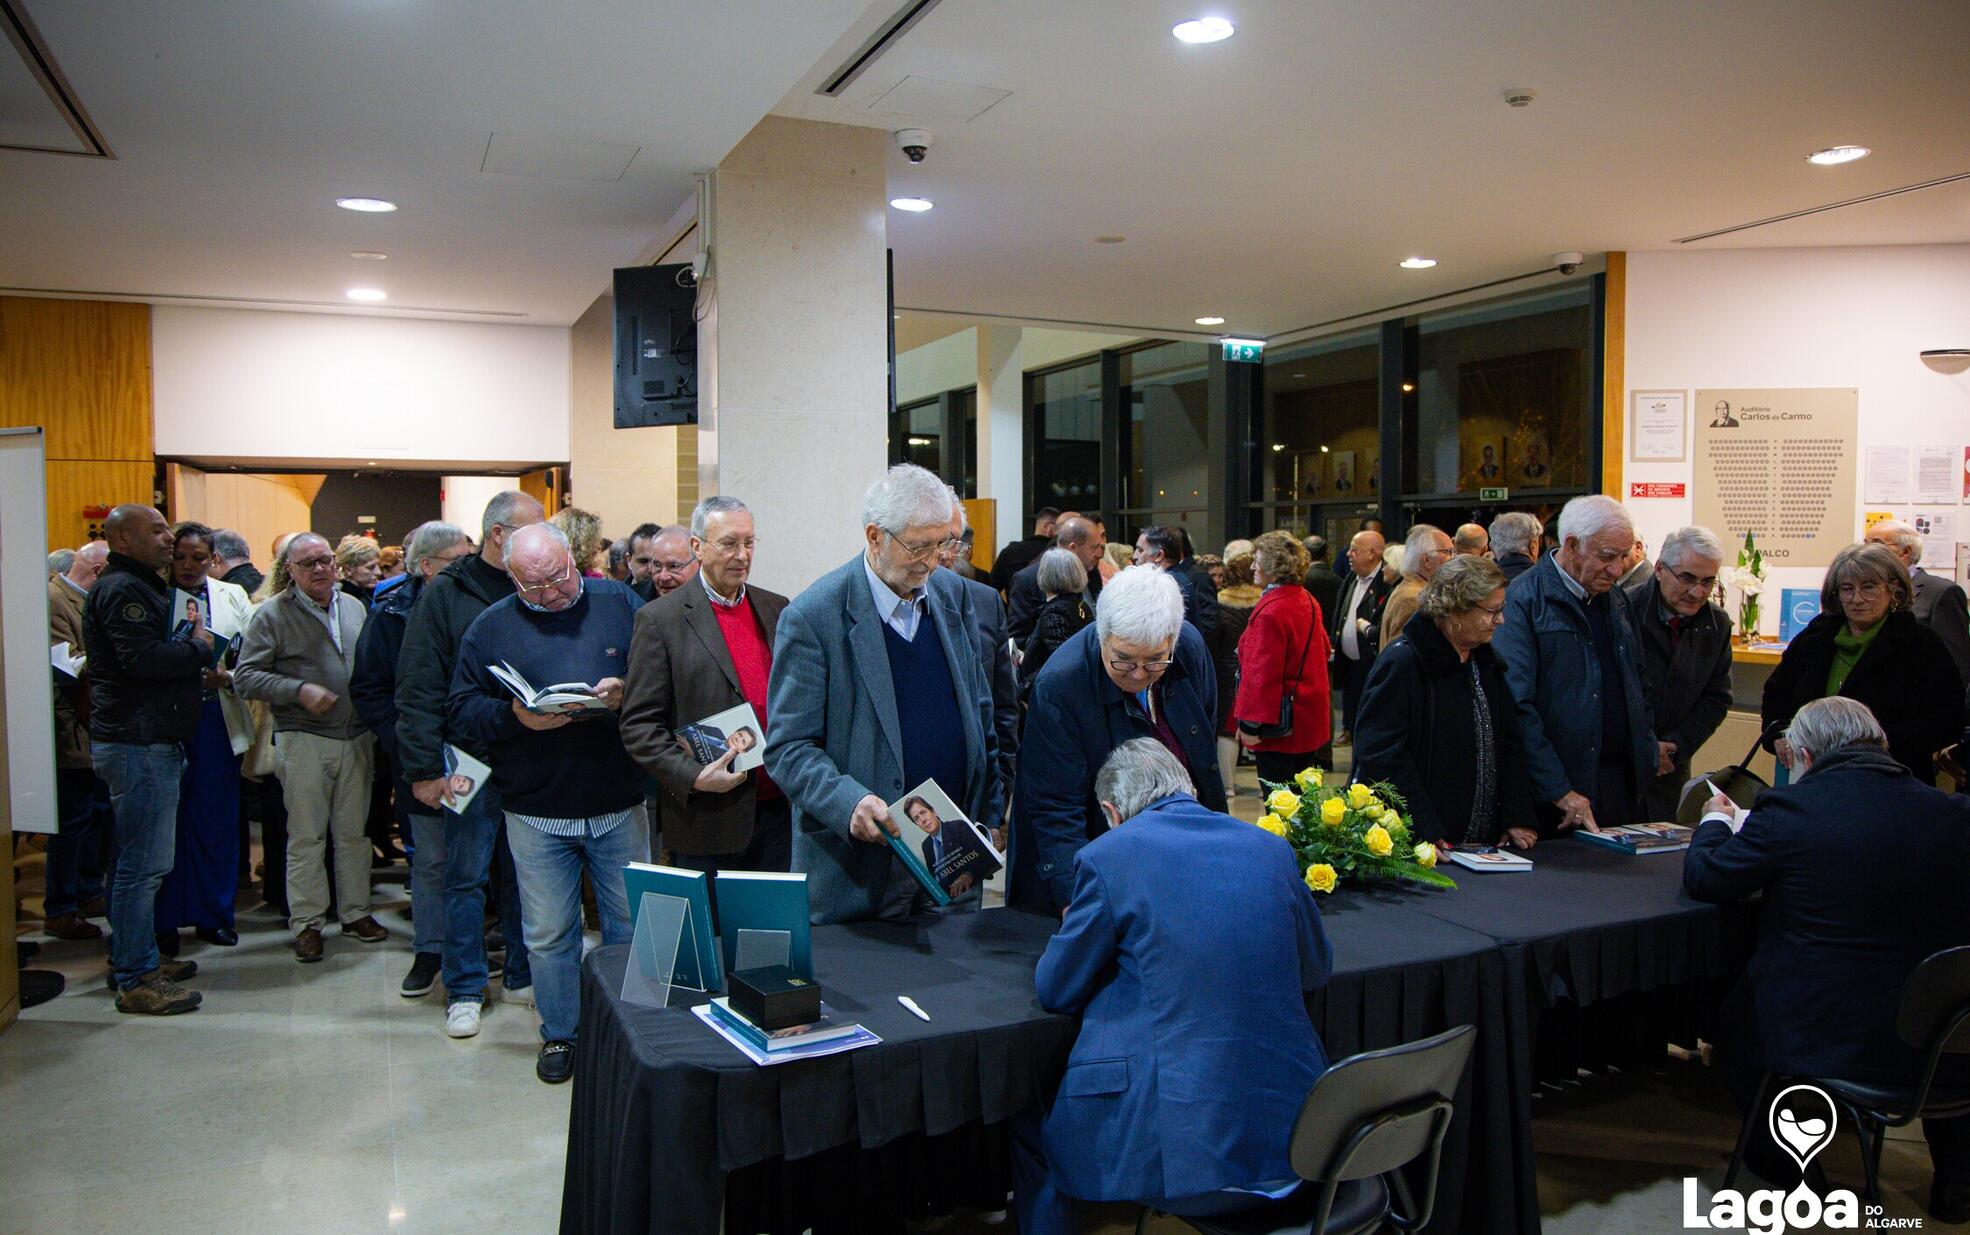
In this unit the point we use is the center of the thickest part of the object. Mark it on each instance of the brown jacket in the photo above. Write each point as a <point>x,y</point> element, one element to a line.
<point>71,698</point>
<point>680,672</point>
<point>1401,607</point>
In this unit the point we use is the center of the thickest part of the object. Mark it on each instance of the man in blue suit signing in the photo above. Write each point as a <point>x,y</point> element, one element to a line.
<point>878,685</point>
<point>1195,1052</point>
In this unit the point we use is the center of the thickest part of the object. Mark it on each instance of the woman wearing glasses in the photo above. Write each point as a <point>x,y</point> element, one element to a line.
<point>1867,645</point>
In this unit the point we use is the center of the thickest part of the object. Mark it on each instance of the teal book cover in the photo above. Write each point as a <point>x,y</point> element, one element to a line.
<point>766,901</point>
<point>698,962</point>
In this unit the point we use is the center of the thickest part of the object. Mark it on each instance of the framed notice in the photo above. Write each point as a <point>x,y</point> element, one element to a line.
<point>1658,426</point>
<point>1778,463</point>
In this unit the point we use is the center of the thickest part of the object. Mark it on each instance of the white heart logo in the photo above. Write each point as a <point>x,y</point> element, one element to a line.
<point>1803,1135</point>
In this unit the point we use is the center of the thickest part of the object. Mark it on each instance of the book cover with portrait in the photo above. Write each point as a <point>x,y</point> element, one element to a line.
<point>708,739</point>
<point>464,777</point>
<point>953,849</point>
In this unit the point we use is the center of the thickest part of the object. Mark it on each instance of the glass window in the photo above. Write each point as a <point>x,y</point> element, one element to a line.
<point>915,431</point>
<point>1165,408</point>
<point>966,410</point>
<point>1501,397</point>
<point>1319,438</point>
<point>1065,411</point>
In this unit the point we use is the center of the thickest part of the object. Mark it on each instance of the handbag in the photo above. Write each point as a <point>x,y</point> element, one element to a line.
<point>1283,729</point>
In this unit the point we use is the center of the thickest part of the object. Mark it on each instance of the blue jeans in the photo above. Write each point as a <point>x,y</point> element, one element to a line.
<point>469,845</point>
<point>143,791</point>
<point>427,879</point>
<point>550,870</point>
<point>75,867</point>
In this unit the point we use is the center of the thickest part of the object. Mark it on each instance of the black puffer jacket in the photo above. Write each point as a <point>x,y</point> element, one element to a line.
<point>448,604</point>
<point>143,683</point>
<point>1905,677</point>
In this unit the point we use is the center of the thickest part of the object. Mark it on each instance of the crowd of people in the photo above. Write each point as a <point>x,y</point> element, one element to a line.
<point>1510,688</point>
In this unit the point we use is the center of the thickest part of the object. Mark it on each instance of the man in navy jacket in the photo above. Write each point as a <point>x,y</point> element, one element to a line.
<point>1195,1052</point>
<point>1865,872</point>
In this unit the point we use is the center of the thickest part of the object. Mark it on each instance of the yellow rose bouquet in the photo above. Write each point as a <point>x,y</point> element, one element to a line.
<point>1354,832</point>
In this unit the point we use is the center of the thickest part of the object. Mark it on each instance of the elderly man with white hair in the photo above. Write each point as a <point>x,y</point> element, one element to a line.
<point>1686,643</point>
<point>572,795</point>
<point>1515,542</point>
<point>1573,664</point>
<point>1939,603</point>
<point>878,686</point>
<point>1140,671</point>
<point>1424,550</point>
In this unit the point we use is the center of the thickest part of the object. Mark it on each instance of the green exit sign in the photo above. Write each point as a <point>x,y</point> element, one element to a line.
<point>1248,351</point>
<point>1494,495</point>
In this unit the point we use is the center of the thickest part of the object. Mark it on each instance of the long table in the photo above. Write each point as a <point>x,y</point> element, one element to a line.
<point>664,1111</point>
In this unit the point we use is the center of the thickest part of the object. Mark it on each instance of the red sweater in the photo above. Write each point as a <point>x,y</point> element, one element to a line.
<point>754,660</point>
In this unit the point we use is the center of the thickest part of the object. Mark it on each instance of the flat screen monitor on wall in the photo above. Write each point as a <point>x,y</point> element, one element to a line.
<point>656,347</point>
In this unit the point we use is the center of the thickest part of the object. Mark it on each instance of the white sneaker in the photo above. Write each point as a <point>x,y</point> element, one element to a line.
<point>524,996</point>
<point>462,1019</point>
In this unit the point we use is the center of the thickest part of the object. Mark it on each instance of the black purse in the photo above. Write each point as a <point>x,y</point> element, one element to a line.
<point>1284,728</point>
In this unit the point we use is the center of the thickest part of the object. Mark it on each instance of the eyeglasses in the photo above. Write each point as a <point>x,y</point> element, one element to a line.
<point>1869,590</point>
<point>917,553</point>
<point>1490,613</point>
<point>313,563</point>
<point>1687,579</point>
<point>671,568</point>
<point>731,545</point>
<point>536,589</point>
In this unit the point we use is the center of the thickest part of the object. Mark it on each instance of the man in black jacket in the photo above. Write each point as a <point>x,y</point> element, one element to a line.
<point>1020,554</point>
<point>1079,535</point>
<point>1939,602</point>
<point>145,675</point>
<point>1686,659</point>
<point>373,692</point>
<point>448,605</point>
<point>1321,579</point>
<point>1354,627</point>
<point>232,561</point>
<point>995,647</point>
<point>1865,871</point>
<point>1166,547</point>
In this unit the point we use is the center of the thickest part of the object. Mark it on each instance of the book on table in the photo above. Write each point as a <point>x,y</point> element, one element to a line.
<point>710,738</point>
<point>1489,858</point>
<point>766,901</point>
<point>1640,837</point>
<point>773,1041</point>
<point>698,965</point>
<point>786,1052</point>
<point>953,852</point>
<point>560,697</point>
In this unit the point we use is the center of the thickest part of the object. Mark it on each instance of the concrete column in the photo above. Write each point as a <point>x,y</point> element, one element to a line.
<point>1002,426</point>
<point>792,344</point>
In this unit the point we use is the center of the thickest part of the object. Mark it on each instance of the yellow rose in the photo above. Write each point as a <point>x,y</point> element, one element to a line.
<point>1374,810</point>
<point>1377,840</point>
<point>1426,855</point>
<point>1331,811</point>
<point>1273,824</point>
<point>1321,877</point>
<point>1360,795</point>
<point>1283,802</point>
<point>1307,778</point>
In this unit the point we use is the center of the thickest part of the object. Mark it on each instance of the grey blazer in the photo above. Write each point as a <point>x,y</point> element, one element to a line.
<point>835,736</point>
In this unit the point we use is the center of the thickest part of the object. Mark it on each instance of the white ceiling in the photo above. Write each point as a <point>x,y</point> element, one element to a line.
<point>1274,179</point>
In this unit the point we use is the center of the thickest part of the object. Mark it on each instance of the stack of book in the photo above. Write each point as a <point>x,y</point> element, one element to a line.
<point>1640,837</point>
<point>827,1036</point>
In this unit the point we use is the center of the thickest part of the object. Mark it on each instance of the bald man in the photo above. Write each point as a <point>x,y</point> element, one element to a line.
<point>1081,536</point>
<point>144,686</point>
<point>669,561</point>
<point>1355,626</point>
<point>1471,540</point>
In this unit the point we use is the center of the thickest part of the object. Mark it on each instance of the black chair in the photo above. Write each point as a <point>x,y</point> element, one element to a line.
<point>1934,1018</point>
<point>1367,1117</point>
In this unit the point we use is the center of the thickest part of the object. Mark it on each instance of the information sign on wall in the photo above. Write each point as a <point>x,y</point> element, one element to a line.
<point>1778,463</point>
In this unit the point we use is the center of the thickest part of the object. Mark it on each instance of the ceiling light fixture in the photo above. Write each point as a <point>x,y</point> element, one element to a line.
<point>1210,321</point>
<point>368,295</point>
<point>1408,387</point>
<point>1833,156</point>
<point>369,255</point>
<point>366,205</point>
<point>1109,239</point>
<point>915,205</point>
<point>1204,30</point>
<point>1323,450</point>
<point>1279,445</point>
<point>1417,263</point>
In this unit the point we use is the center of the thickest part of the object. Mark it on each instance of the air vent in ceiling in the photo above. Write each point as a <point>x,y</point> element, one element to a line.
<point>885,36</point>
<point>39,110</point>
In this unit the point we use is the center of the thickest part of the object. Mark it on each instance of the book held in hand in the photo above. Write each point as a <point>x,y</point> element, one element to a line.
<point>1489,859</point>
<point>710,738</point>
<point>953,851</point>
<point>62,658</point>
<point>560,697</point>
<point>1640,837</point>
<point>464,776</point>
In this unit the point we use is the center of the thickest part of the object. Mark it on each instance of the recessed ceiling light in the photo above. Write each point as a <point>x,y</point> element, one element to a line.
<point>1109,239</point>
<point>1279,445</point>
<point>1407,387</point>
<point>369,255</point>
<point>1204,30</point>
<point>368,294</point>
<point>367,205</point>
<point>1323,450</point>
<point>1834,155</point>
<point>1210,321</point>
<point>1417,263</point>
<point>915,205</point>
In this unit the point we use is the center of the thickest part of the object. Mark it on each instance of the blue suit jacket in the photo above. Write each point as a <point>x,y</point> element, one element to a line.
<point>836,737</point>
<point>1078,717</point>
<point>1195,1052</point>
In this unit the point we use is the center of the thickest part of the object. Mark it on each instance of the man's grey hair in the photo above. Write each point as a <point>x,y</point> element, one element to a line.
<point>499,512</point>
<point>60,561</point>
<point>426,539</point>
<point>1420,542</point>
<point>907,496</point>
<point>1903,535</point>
<point>717,504</point>
<point>1688,542</point>
<point>957,510</point>
<point>1825,725</point>
<point>1060,573</point>
<point>1459,585</point>
<point>1141,605</point>
<point>1235,547</point>
<point>230,545</point>
<point>1514,531</point>
<point>1138,772</point>
<point>1316,548</point>
<point>548,530</point>
<point>1592,515</point>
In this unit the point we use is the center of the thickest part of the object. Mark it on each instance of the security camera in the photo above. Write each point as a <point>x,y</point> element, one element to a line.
<point>914,143</point>
<point>1567,263</point>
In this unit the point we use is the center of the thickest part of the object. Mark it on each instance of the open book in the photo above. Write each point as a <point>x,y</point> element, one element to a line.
<point>62,658</point>
<point>560,697</point>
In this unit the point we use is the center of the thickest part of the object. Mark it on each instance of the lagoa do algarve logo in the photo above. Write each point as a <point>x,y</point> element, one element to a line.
<point>1803,1122</point>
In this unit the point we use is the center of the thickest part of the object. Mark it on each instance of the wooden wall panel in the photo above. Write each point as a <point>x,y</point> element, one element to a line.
<point>81,369</point>
<point>76,483</point>
<point>1614,378</point>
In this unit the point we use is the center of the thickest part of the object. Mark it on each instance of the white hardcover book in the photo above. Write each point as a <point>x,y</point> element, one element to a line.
<point>561,697</point>
<point>1489,859</point>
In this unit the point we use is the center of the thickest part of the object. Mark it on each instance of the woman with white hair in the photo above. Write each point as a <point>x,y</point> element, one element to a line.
<point>1140,671</point>
<point>1064,582</point>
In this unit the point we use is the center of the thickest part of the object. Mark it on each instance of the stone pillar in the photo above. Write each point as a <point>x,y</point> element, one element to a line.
<point>1002,427</point>
<point>792,343</point>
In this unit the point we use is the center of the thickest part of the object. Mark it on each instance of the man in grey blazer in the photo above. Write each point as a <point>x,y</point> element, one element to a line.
<point>877,686</point>
<point>1939,603</point>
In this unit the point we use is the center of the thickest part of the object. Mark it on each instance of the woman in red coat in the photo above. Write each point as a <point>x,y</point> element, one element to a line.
<point>1284,651</point>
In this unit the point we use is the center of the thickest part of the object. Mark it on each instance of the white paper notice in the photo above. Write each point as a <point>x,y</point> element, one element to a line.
<point>1938,529</point>
<point>1659,426</point>
<point>1887,475</point>
<point>1935,474</point>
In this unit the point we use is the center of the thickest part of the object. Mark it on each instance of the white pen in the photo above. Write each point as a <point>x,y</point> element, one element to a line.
<point>911,1004</point>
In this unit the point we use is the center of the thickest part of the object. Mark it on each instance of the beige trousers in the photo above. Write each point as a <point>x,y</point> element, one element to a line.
<point>325,782</point>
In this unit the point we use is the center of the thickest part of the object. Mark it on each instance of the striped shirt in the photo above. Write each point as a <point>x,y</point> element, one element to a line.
<point>585,829</point>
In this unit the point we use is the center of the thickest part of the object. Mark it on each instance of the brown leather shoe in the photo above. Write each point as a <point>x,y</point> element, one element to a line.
<point>156,995</point>
<point>367,929</point>
<point>68,926</point>
<point>307,946</point>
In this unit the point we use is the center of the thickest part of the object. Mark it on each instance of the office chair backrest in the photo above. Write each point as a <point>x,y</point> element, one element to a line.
<point>1380,1107</point>
<point>1937,993</point>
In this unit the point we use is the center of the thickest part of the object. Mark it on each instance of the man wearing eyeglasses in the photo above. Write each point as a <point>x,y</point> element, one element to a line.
<point>1686,650</point>
<point>1939,602</point>
<point>661,559</point>
<point>877,686</point>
